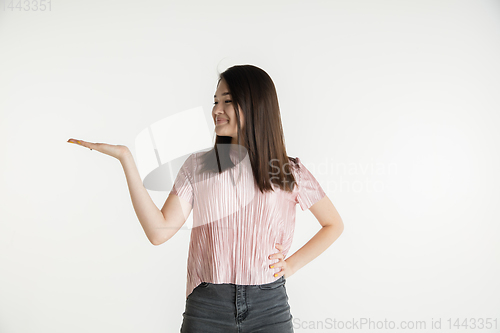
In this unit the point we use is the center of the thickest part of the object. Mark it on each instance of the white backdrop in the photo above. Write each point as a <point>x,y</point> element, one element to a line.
<point>392,105</point>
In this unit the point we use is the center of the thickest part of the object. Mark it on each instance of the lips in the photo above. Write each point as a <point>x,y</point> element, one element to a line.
<point>222,120</point>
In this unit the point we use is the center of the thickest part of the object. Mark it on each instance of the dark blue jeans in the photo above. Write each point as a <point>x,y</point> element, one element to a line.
<point>228,308</point>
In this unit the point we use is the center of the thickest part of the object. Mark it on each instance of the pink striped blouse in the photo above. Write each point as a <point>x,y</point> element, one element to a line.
<point>235,226</point>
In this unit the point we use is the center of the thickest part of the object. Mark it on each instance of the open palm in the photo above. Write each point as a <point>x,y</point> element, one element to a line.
<point>117,151</point>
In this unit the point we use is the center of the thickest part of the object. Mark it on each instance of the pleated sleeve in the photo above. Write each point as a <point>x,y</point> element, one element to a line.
<point>309,189</point>
<point>183,184</point>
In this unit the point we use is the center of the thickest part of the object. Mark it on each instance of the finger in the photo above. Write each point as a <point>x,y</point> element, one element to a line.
<point>276,265</point>
<point>89,145</point>
<point>278,255</point>
<point>275,255</point>
<point>281,272</point>
<point>280,268</point>
<point>78,142</point>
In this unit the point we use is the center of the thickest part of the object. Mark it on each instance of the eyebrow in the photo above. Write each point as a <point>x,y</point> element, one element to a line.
<point>224,93</point>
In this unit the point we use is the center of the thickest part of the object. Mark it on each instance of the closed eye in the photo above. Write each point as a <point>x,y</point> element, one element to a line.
<point>226,101</point>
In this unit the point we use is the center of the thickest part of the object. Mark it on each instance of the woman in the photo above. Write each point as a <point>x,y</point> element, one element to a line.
<point>243,194</point>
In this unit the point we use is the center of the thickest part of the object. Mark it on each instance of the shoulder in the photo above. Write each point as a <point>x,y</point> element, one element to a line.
<point>189,163</point>
<point>189,160</point>
<point>295,165</point>
<point>295,162</point>
<point>194,157</point>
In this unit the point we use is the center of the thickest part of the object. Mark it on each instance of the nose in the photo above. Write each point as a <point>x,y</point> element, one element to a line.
<point>218,111</point>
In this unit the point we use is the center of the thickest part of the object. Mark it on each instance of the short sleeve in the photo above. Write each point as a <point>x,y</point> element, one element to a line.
<point>309,189</point>
<point>183,185</point>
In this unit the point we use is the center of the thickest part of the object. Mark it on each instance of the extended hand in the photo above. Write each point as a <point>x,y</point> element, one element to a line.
<point>117,151</point>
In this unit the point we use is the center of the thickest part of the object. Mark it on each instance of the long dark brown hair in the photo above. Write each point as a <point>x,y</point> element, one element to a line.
<point>262,134</point>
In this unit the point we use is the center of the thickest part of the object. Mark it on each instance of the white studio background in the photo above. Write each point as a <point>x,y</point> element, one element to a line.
<point>393,106</point>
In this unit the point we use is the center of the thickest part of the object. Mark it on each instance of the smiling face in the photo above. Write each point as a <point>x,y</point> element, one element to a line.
<point>224,115</point>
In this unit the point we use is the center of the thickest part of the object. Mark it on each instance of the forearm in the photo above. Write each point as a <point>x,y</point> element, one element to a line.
<point>314,247</point>
<point>150,217</point>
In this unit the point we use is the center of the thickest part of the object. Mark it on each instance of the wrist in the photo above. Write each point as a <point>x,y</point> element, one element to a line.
<point>290,267</point>
<point>125,154</point>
